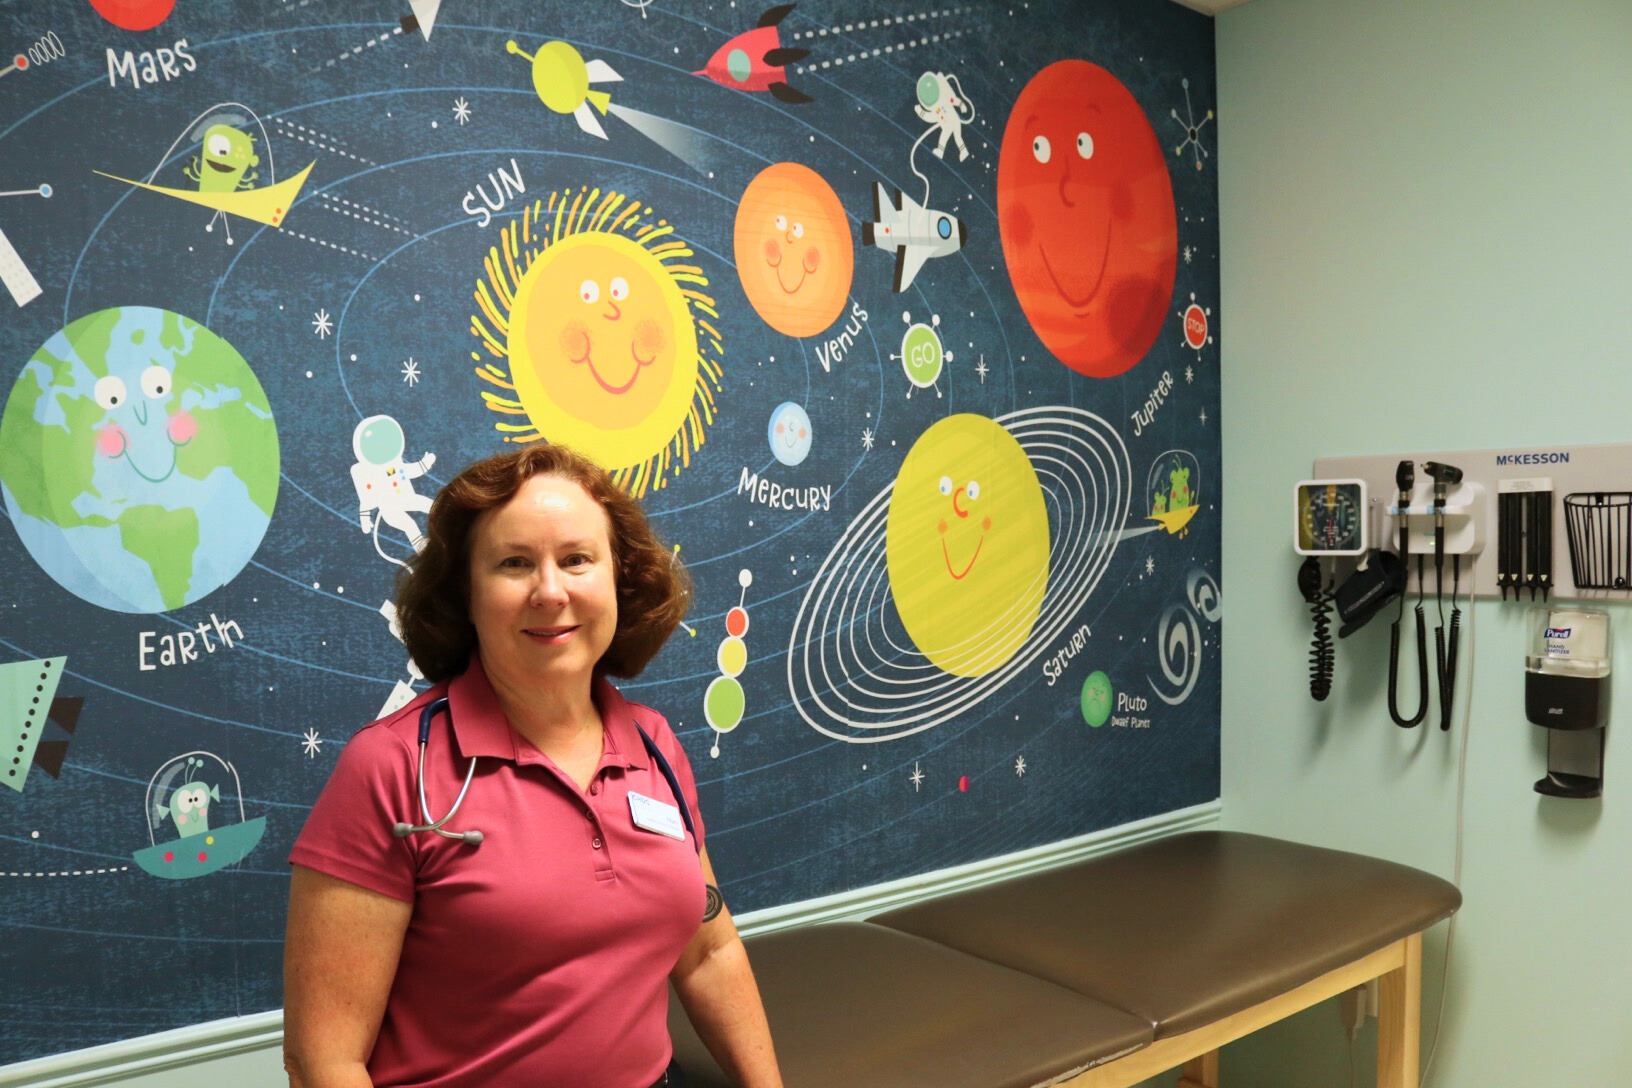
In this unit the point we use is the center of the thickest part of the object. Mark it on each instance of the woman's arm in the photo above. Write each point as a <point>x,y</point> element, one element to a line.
<point>340,956</point>
<point>717,988</point>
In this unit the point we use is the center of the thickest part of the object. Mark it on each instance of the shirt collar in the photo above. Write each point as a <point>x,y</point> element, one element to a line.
<point>481,729</point>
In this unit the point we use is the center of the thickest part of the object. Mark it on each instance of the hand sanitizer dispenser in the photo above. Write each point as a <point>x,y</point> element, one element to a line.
<point>1566,690</point>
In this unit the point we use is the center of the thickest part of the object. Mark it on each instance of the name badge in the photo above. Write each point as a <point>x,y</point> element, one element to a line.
<point>653,815</point>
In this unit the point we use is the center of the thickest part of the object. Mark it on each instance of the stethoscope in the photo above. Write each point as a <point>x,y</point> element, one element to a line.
<point>474,837</point>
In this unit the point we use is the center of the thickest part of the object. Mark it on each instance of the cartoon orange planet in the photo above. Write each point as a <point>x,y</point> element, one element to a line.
<point>793,249</point>
<point>966,543</point>
<point>1085,211</point>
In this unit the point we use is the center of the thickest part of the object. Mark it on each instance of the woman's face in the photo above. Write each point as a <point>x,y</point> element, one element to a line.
<point>543,591</point>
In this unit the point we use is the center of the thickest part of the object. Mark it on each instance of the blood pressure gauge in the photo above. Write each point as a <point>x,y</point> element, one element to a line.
<point>1330,517</point>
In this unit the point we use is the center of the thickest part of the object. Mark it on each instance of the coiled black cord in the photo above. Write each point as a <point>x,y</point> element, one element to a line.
<point>1322,654</point>
<point>1394,669</point>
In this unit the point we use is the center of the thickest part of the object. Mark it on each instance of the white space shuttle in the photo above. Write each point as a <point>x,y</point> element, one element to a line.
<point>914,232</point>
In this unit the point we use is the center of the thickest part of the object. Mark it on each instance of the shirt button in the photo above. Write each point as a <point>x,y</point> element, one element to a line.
<point>594,788</point>
<point>596,842</point>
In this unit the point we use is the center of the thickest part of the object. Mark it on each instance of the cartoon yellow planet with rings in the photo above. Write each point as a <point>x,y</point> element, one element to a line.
<point>610,351</point>
<point>967,545</point>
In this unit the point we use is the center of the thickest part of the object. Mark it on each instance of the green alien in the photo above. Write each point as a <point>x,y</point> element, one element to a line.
<point>189,807</point>
<point>1180,478</point>
<point>224,165</point>
<point>1159,506</point>
<point>224,162</point>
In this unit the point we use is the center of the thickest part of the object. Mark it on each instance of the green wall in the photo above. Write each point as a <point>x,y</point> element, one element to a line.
<point>1426,244</point>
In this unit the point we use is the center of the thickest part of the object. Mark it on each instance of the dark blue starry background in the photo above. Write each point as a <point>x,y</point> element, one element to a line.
<point>363,305</point>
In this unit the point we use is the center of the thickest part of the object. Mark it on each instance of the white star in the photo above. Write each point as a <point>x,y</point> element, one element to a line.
<point>311,742</point>
<point>410,372</point>
<point>981,368</point>
<point>1189,375</point>
<point>461,110</point>
<point>866,438</point>
<point>322,325</point>
<point>916,777</point>
<point>1204,417</point>
<point>1020,766</point>
<point>1188,253</point>
<point>1150,565</point>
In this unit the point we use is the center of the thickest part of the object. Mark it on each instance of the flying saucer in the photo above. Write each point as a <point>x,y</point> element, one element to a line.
<point>1172,489</point>
<point>184,859</point>
<point>198,849</point>
<point>265,205</point>
<point>854,671</point>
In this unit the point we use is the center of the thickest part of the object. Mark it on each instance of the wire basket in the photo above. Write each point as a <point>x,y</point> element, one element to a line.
<point>1599,524</point>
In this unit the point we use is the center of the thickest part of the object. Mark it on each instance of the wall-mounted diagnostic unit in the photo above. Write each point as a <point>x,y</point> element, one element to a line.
<point>1529,505</point>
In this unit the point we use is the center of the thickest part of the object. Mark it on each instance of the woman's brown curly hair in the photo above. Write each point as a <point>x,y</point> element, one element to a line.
<point>433,597</point>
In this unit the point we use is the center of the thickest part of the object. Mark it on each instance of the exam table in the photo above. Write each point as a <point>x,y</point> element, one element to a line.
<point>1096,974</point>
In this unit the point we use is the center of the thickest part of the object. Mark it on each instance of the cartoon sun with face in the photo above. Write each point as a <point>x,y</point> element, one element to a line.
<point>793,249</point>
<point>1085,210</point>
<point>588,303</point>
<point>967,544</point>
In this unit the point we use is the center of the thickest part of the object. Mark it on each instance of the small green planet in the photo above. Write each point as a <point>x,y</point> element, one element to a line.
<point>1096,699</point>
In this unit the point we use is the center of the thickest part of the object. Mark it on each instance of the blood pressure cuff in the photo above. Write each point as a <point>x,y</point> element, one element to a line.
<point>1363,594</point>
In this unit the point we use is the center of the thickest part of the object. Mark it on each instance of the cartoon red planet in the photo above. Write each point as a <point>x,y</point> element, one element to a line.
<point>134,14</point>
<point>1085,211</point>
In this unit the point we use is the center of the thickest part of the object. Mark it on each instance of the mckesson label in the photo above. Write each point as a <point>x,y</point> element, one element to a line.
<point>1550,457</point>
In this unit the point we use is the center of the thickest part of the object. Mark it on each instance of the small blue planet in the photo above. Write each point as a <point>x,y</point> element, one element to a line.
<point>789,433</point>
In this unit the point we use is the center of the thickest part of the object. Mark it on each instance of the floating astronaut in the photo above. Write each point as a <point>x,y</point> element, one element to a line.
<point>941,102</point>
<point>385,492</point>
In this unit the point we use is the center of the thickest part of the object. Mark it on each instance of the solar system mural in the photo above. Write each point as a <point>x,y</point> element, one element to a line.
<point>900,317</point>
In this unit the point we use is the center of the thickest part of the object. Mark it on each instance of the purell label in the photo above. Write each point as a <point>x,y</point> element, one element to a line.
<point>1557,632</point>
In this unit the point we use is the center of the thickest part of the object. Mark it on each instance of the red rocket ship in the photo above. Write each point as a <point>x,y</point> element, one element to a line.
<point>756,60</point>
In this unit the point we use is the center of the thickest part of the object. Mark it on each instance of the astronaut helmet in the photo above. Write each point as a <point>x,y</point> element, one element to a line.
<point>378,440</point>
<point>933,88</point>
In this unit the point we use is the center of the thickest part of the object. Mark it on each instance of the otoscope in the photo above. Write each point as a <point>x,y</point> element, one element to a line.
<point>1405,480</point>
<point>1445,477</point>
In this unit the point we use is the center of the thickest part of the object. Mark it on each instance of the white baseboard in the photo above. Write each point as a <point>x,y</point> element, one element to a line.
<point>239,1036</point>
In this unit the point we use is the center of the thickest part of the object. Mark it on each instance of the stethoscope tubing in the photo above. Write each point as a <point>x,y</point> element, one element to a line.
<point>474,837</point>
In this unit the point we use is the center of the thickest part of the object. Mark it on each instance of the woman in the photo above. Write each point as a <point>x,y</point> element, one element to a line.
<point>539,954</point>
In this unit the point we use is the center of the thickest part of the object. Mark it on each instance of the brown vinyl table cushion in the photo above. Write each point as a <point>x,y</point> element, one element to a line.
<point>858,1005</point>
<point>1190,928</point>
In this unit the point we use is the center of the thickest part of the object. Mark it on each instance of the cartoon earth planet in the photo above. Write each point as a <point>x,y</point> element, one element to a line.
<point>139,459</point>
<point>789,433</point>
<point>1085,212</point>
<point>793,249</point>
<point>1096,699</point>
<point>966,543</point>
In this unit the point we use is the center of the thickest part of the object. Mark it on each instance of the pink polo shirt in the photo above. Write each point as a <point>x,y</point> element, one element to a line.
<point>540,957</point>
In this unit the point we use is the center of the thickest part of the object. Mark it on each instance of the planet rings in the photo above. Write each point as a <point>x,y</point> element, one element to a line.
<point>854,673</point>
